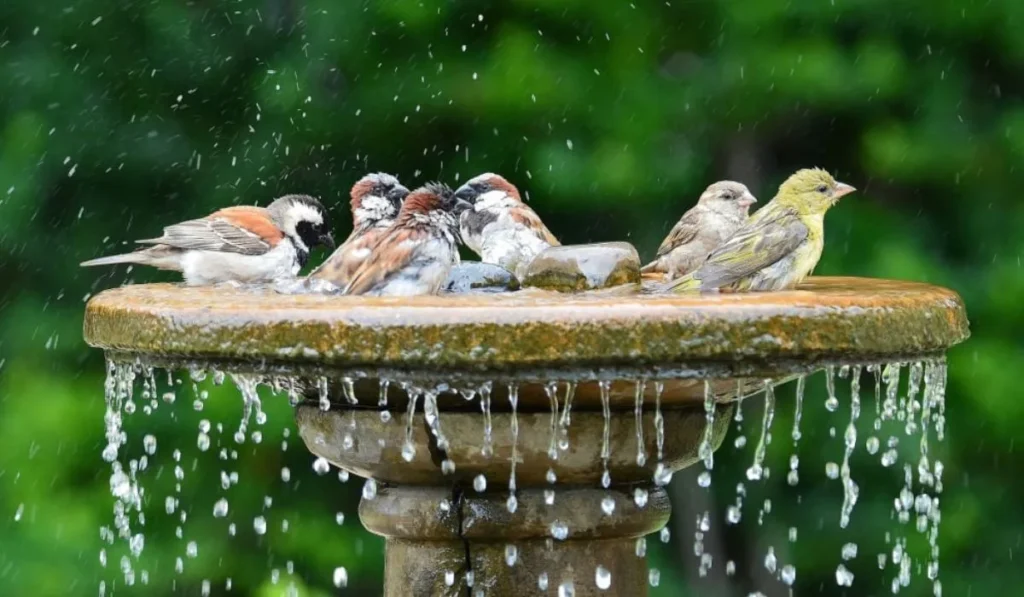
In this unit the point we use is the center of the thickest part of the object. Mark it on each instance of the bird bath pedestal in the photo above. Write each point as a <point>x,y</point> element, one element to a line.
<point>541,424</point>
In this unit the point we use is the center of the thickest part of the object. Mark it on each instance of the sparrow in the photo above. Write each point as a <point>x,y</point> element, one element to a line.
<point>721,209</point>
<point>243,244</point>
<point>779,245</point>
<point>376,199</point>
<point>500,227</point>
<point>415,255</point>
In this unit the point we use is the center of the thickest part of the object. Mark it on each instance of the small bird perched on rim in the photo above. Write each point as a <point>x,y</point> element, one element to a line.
<point>243,244</point>
<point>720,211</point>
<point>417,253</point>
<point>376,200</point>
<point>779,245</point>
<point>500,227</point>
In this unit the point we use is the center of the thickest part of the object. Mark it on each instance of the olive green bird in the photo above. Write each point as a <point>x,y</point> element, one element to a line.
<point>778,246</point>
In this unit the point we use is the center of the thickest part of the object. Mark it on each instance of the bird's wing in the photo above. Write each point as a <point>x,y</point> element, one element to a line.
<point>525,216</point>
<point>245,230</point>
<point>394,252</point>
<point>684,231</point>
<point>755,246</point>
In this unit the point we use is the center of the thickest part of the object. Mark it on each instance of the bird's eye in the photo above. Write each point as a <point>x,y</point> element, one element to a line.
<point>822,188</point>
<point>728,196</point>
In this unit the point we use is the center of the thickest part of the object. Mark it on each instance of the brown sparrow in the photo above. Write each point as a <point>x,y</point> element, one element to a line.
<point>243,244</point>
<point>500,227</point>
<point>417,253</point>
<point>376,199</point>
<point>719,212</point>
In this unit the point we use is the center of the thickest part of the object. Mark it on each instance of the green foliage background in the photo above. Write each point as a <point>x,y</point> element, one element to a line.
<point>116,118</point>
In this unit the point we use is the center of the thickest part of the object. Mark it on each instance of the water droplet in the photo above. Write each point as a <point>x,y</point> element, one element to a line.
<point>449,578</point>
<point>542,581</point>
<point>641,547</point>
<point>259,524</point>
<point>511,554</point>
<point>832,470</point>
<point>872,445</point>
<point>321,466</point>
<point>408,451</point>
<point>704,479</point>
<point>654,577</point>
<point>339,518</point>
<point>665,535</point>
<point>770,561</point>
<point>849,551</point>
<point>559,530</point>
<point>340,577</point>
<point>603,578</point>
<point>369,489</point>
<point>549,497</point>
<point>512,504</point>
<point>220,509</point>
<point>480,483</point>
<point>286,474</point>
<point>566,589</point>
<point>844,578</point>
<point>733,515</point>
<point>149,443</point>
<point>789,574</point>
<point>640,497</point>
<point>191,549</point>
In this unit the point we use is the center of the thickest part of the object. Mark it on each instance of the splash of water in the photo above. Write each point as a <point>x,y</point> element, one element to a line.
<point>850,488</point>
<point>638,413</point>
<point>551,389</point>
<point>606,453</point>
<point>757,471</point>
<point>485,407</point>
<point>513,400</point>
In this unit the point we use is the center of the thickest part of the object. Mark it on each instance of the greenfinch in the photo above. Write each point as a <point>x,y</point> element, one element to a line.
<point>778,246</point>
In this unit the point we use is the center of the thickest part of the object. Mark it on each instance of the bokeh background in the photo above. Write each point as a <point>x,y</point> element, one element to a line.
<point>117,118</point>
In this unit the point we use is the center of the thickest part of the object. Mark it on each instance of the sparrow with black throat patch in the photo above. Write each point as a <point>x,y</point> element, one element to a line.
<point>500,227</point>
<point>415,255</point>
<point>720,211</point>
<point>376,200</point>
<point>243,244</point>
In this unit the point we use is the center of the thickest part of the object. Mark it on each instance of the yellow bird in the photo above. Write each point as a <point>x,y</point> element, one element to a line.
<point>779,245</point>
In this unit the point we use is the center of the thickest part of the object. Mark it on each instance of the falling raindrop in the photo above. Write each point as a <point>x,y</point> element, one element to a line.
<point>340,577</point>
<point>603,578</point>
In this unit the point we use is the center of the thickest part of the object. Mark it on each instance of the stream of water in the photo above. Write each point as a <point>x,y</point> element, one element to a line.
<point>908,422</point>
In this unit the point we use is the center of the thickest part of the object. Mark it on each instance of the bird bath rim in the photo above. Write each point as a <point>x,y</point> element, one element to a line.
<point>535,335</point>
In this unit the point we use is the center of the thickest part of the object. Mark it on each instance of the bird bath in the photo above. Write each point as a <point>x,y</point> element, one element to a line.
<point>514,441</point>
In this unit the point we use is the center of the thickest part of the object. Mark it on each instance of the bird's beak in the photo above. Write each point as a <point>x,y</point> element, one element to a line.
<point>398,193</point>
<point>842,189</point>
<point>747,200</point>
<point>327,240</point>
<point>461,205</point>
<point>464,194</point>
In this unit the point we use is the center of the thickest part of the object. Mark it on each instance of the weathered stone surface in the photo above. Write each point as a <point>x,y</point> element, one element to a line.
<point>823,319</point>
<point>474,276</point>
<point>508,551</point>
<point>575,268</point>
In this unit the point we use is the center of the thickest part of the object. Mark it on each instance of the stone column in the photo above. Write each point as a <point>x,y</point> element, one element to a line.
<point>443,534</point>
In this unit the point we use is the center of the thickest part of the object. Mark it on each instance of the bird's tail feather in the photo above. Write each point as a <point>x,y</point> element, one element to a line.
<point>137,258</point>
<point>684,284</point>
